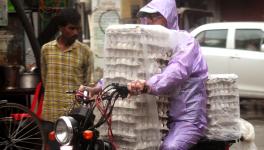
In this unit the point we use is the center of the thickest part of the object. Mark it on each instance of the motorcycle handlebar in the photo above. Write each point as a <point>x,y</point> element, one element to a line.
<point>71,92</point>
<point>114,88</point>
<point>121,89</point>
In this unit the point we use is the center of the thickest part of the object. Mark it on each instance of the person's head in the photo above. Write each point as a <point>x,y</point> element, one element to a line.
<point>69,24</point>
<point>152,19</point>
<point>162,12</point>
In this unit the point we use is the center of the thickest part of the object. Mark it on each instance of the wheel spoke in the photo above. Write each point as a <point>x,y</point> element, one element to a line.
<point>31,137</point>
<point>22,147</point>
<point>1,138</point>
<point>22,129</point>
<point>17,131</point>
<point>3,143</point>
<point>19,134</point>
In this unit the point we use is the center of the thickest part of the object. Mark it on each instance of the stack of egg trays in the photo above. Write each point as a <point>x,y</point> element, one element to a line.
<point>163,108</point>
<point>223,107</point>
<point>133,52</point>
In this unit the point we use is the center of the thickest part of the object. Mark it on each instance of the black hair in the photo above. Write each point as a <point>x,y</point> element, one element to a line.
<point>66,16</point>
<point>69,16</point>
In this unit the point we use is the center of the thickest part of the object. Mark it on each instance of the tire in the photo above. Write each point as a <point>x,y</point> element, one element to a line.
<point>20,129</point>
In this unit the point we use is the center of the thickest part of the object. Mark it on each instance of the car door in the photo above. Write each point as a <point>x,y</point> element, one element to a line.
<point>248,61</point>
<point>213,45</point>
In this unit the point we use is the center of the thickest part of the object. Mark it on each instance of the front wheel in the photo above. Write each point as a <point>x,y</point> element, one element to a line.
<point>20,129</point>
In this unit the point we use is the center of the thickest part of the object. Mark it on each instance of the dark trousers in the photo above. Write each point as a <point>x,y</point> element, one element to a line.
<point>48,127</point>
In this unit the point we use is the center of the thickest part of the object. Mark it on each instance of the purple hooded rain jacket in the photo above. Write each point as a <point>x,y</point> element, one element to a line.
<point>184,81</point>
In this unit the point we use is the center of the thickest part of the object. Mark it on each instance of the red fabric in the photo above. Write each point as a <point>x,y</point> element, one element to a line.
<point>18,117</point>
<point>227,147</point>
<point>38,97</point>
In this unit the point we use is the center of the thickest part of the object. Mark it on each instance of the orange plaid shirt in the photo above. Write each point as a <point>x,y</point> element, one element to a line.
<point>62,71</point>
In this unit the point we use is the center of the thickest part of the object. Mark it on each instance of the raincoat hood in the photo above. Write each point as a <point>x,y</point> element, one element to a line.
<point>167,8</point>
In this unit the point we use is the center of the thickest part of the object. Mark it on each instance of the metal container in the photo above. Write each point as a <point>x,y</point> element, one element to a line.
<point>29,80</point>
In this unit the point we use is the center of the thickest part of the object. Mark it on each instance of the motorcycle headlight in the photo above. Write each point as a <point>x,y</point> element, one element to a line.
<point>64,129</point>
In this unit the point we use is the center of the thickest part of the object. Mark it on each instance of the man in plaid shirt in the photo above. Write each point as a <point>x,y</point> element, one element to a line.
<point>66,63</point>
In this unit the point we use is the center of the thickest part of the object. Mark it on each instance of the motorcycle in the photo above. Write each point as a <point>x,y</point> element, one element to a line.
<point>78,130</point>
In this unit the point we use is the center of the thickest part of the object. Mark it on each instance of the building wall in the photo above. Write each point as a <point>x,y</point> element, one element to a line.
<point>129,9</point>
<point>231,10</point>
<point>104,13</point>
<point>242,10</point>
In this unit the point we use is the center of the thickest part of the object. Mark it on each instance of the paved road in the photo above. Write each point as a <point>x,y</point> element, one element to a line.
<point>259,138</point>
<point>253,111</point>
<point>259,130</point>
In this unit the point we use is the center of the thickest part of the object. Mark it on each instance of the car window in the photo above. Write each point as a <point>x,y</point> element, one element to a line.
<point>249,39</point>
<point>213,38</point>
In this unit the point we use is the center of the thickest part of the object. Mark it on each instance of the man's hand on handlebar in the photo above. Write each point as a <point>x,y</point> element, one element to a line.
<point>91,90</point>
<point>137,87</point>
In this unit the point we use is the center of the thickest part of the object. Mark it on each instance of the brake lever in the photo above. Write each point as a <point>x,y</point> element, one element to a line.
<point>85,95</point>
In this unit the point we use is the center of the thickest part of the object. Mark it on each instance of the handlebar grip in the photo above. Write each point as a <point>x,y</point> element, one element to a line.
<point>122,89</point>
<point>145,89</point>
<point>71,92</point>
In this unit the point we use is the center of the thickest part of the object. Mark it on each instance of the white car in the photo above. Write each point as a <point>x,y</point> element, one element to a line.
<point>235,47</point>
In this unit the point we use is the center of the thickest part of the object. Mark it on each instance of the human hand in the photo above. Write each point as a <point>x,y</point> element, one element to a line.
<point>91,90</point>
<point>137,87</point>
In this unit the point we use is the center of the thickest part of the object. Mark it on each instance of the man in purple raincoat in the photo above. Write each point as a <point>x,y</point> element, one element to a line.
<point>183,79</point>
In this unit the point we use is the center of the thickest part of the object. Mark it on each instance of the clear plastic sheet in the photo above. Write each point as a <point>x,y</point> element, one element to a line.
<point>223,107</point>
<point>135,52</point>
<point>248,135</point>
